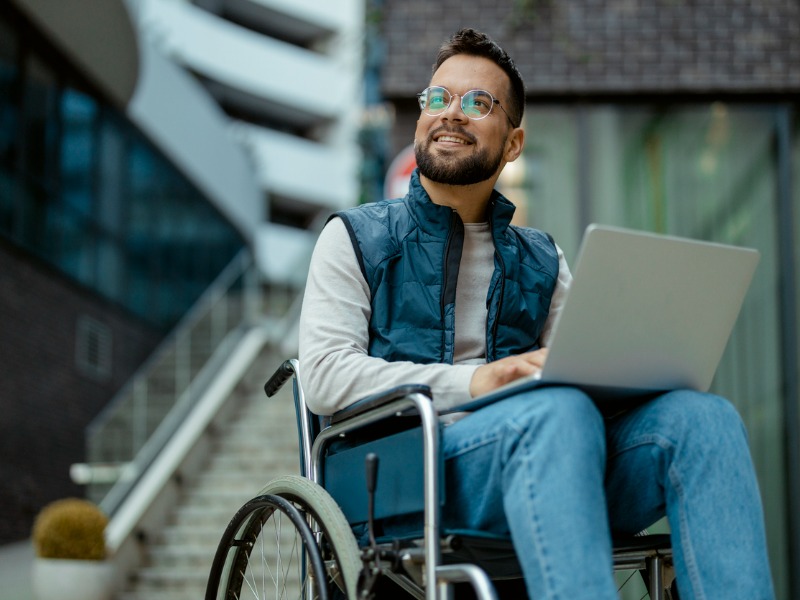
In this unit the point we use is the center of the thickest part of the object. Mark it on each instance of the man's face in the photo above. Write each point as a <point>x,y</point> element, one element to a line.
<point>453,149</point>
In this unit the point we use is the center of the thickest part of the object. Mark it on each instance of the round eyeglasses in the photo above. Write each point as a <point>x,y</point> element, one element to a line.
<point>475,104</point>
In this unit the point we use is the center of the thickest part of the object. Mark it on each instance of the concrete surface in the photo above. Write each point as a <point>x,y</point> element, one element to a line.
<point>15,571</point>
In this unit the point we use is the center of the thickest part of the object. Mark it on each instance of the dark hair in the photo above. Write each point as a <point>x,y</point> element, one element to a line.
<point>475,43</point>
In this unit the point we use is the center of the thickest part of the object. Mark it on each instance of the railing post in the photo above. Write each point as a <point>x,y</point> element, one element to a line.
<point>139,415</point>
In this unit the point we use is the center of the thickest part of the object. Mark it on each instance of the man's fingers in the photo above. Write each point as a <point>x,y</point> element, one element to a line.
<point>537,357</point>
<point>520,366</point>
<point>493,375</point>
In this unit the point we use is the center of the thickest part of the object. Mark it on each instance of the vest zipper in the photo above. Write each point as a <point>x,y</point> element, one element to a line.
<point>452,260</point>
<point>492,343</point>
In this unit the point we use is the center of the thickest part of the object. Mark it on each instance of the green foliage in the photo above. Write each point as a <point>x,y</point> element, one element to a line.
<point>529,10</point>
<point>70,528</point>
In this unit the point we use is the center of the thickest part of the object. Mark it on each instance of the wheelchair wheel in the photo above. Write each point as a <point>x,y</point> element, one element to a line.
<point>290,541</point>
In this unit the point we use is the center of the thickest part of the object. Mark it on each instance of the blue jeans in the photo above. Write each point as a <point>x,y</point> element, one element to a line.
<point>547,467</point>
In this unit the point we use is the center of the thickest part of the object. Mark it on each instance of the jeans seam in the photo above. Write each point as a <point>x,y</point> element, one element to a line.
<point>473,445</point>
<point>644,440</point>
<point>547,576</point>
<point>687,548</point>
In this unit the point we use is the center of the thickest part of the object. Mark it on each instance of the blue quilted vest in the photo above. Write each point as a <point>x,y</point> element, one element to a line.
<point>409,251</point>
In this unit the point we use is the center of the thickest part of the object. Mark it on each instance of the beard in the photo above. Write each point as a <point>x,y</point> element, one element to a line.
<point>450,170</point>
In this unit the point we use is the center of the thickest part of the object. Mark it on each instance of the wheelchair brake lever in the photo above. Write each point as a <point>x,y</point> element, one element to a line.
<point>371,570</point>
<point>372,482</point>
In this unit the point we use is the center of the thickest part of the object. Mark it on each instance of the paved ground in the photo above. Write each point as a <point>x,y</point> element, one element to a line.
<point>15,571</point>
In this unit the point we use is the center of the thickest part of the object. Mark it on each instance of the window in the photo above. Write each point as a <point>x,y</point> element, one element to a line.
<point>84,190</point>
<point>93,348</point>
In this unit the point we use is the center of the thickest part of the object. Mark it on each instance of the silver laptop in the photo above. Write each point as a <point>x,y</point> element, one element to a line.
<point>645,313</point>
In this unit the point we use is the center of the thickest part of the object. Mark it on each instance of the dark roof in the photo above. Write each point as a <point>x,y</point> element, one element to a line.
<point>597,47</point>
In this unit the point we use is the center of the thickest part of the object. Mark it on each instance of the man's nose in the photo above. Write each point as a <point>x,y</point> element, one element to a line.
<point>453,111</point>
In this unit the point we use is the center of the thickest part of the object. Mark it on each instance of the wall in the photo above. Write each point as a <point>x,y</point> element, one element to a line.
<point>45,400</point>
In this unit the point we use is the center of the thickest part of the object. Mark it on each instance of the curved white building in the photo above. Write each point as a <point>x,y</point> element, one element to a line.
<point>285,79</point>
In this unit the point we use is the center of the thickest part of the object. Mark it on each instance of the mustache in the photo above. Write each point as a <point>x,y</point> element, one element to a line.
<point>448,129</point>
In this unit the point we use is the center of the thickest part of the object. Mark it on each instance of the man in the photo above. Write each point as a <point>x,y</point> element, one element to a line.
<point>438,288</point>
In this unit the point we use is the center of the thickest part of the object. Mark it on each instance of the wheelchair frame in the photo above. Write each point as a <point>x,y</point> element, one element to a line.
<point>309,505</point>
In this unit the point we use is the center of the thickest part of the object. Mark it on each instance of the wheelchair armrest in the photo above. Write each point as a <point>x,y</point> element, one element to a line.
<point>375,400</point>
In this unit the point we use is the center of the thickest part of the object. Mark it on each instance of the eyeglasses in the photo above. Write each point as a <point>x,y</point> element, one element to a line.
<point>475,104</point>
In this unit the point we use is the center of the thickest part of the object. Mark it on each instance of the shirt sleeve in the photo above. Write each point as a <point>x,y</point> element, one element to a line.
<point>559,296</point>
<point>335,367</point>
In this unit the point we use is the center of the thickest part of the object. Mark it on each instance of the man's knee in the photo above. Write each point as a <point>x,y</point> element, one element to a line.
<point>564,403</point>
<point>695,418</point>
<point>700,409</point>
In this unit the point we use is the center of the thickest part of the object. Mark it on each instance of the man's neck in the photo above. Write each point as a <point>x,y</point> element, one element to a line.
<point>469,201</point>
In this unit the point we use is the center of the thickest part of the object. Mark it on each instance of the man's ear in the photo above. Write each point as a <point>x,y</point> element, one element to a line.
<point>514,144</point>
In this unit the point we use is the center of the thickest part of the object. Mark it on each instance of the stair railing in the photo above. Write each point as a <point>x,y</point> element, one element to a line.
<point>126,437</point>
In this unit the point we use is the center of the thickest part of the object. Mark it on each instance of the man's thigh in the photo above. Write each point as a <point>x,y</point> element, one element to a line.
<point>548,424</point>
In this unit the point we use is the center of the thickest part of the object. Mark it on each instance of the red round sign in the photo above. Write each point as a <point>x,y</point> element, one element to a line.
<point>399,173</point>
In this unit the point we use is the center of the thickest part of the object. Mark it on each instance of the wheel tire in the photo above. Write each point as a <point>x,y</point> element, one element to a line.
<point>320,551</point>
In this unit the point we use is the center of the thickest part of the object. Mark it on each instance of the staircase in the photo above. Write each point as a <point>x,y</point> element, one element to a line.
<point>259,443</point>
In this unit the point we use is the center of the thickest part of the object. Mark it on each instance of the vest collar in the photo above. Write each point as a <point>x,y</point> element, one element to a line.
<point>432,218</point>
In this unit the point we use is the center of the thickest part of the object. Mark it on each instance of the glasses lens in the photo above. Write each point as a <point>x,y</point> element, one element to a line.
<point>434,100</point>
<point>477,104</point>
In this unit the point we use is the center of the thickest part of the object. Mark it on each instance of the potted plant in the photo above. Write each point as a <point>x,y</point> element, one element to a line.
<point>69,542</point>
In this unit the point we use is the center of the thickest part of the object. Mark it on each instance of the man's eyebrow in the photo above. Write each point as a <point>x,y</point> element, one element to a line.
<point>482,88</point>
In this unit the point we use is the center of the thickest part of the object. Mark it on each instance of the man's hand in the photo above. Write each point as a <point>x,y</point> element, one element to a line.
<point>492,375</point>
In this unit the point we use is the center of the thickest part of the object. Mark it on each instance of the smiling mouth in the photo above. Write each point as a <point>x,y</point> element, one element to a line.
<point>452,140</point>
<point>448,136</point>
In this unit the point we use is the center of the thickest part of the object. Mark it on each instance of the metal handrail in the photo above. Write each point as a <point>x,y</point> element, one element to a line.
<point>124,439</point>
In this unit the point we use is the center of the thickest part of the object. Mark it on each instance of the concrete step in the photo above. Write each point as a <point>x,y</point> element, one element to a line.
<point>257,449</point>
<point>220,497</point>
<point>271,419</point>
<point>249,462</point>
<point>206,536</point>
<point>176,577</point>
<point>190,514</point>
<point>175,556</point>
<point>144,593</point>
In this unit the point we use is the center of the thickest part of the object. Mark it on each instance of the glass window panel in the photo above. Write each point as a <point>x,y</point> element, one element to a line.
<point>113,203</point>
<point>40,127</point>
<point>77,150</point>
<point>8,77</point>
<point>548,189</point>
<point>76,250</point>
<point>796,214</point>
<point>9,117</point>
<point>85,190</point>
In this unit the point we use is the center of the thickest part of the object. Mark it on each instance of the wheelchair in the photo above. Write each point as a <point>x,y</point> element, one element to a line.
<point>318,535</point>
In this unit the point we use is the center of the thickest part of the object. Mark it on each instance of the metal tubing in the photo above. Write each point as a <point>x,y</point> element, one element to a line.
<point>304,426</point>
<point>430,431</point>
<point>654,568</point>
<point>477,577</point>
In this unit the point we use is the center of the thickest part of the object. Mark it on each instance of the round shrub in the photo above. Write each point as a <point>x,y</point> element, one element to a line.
<point>70,528</point>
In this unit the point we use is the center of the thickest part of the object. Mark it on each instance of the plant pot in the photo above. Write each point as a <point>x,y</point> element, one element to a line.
<point>68,579</point>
